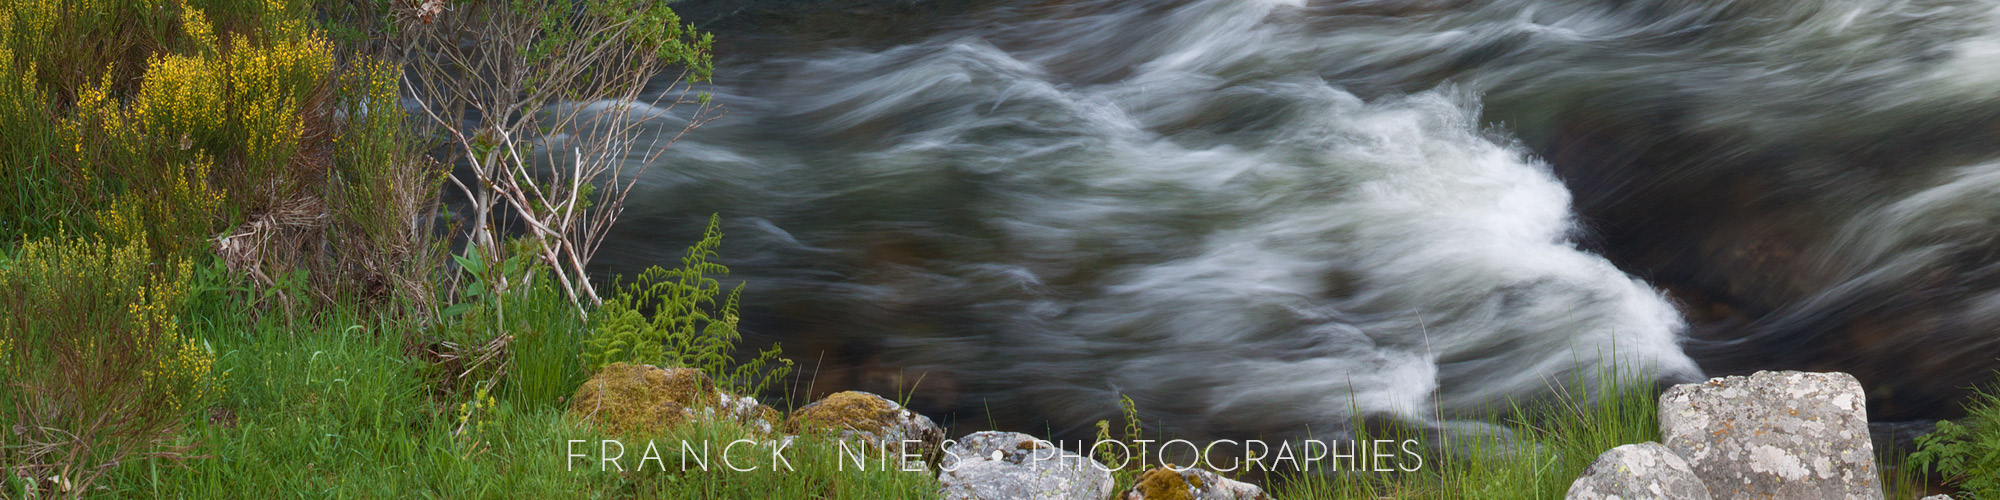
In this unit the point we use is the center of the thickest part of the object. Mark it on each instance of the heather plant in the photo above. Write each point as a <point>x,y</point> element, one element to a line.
<point>672,318</point>
<point>99,370</point>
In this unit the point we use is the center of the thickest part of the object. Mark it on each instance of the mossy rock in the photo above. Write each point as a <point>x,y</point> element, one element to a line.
<point>1162,484</point>
<point>1188,483</point>
<point>871,419</point>
<point>745,410</point>
<point>625,398</point>
<point>850,410</point>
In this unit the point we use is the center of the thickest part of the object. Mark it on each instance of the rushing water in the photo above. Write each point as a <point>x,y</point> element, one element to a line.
<point>1257,216</point>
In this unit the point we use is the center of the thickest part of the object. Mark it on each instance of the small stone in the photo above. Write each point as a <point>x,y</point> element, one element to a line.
<point>1013,466</point>
<point>874,420</point>
<point>1644,471</point>
<point>1937,497</point>
<point>1792,435</point>
<point>1188,483</point>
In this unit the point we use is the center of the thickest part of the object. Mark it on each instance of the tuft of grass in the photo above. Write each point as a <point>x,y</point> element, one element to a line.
<point>1543,446</point>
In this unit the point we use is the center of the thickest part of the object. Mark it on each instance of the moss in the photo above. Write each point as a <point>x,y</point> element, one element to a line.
<point>846,410</point>
<point>626,398</point>
<point>1163,484</point>
<point>770,416</point>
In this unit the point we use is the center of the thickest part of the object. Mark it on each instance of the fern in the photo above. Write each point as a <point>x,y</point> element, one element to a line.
<point>1966,453</point>
<point>692,323</point>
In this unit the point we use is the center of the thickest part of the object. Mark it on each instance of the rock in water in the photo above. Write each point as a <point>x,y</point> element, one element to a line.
<point>626,398</point>
<point>1188,483</point>
<point>873,420</point>
<point>1644,471</point>
<point>1791,435</point>
<point>1013,466</point>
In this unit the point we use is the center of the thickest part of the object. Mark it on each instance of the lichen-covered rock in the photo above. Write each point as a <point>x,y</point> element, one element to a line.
<point>1644,471</point>
<point>1188,483</point>
<point>1792,435</point>
<point>1013,466</point>
<point>874,420</point>
<point>745,410</point>
<point>625,398</point>
<point>1937,497</point>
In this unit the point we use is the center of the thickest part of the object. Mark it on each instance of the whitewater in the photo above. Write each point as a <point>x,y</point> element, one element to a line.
<point>1275,218</point>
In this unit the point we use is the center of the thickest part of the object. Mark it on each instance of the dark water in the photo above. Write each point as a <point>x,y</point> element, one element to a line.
<point>1258,216</point>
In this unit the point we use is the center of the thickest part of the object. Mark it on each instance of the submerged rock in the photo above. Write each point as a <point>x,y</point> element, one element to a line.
<point>874,420</point>
<point>1791,435</point>
<point>1644,471</point>
<point>1189,483</point>
<point>1013,466</point>
<point>625,398</point>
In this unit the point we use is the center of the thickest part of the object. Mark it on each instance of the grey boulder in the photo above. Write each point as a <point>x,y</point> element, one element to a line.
<point>1791,435</point>
<point>1010,465</point>
<point>1644,471</point>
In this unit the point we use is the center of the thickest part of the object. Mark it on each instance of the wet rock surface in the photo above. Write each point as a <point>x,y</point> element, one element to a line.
<point>1644,471</point>
<point>1791,435</point>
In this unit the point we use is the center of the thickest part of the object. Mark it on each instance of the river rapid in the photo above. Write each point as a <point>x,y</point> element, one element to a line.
<point>1259,217</point>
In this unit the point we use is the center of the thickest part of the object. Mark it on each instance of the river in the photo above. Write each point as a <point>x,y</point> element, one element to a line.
<point>1255,217</point>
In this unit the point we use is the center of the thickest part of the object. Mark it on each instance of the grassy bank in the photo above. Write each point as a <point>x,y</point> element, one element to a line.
<point>228,270</point>
<point>333,406</point>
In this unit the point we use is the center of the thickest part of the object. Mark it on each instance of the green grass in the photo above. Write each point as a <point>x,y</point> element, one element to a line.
<point>332,406</point>
<point>1551,443</point>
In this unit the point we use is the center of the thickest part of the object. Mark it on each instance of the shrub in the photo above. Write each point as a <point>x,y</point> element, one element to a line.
<point>98,370</point>
<point>687,327</point>
<point>1966,453</point>
<point>207,118</point>
<point>546,110</point>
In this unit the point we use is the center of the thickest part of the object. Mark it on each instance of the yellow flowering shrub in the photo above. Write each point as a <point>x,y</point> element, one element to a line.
<point>193,118</point>
<point>91,328</point>
<point>270,84</point>
<point>182,96</point>
<point>94,314</point>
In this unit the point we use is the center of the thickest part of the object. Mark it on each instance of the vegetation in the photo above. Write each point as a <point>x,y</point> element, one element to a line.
<point>98,370</point>
<point>226,265</point>
<point>688,328</point>
<point>1966,453</point>
<point>1134,431</point>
